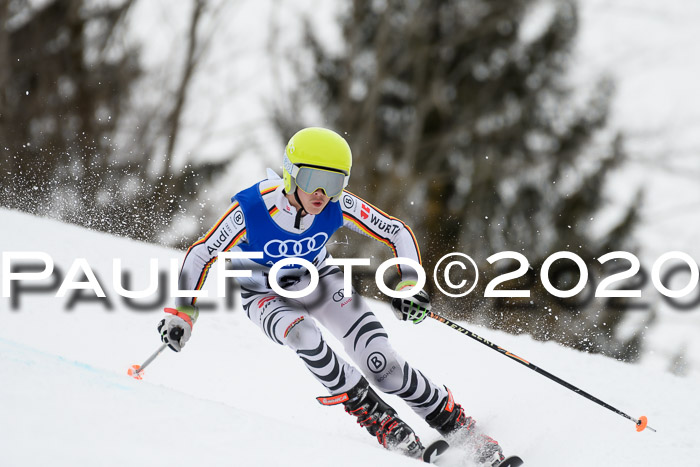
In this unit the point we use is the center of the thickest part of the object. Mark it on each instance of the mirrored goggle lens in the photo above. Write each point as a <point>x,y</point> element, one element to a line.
<point>311,179</point>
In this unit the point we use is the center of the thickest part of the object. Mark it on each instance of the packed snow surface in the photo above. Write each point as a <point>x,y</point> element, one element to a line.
<point>234,398</point>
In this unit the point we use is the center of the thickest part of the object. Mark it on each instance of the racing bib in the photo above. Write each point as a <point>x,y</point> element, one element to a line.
<point>276,243</point>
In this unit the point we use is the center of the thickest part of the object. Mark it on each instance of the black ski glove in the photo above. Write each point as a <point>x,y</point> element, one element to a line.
<point>413,308</point>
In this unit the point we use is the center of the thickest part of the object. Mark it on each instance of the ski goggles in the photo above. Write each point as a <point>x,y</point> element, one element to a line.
<point>309,179</point>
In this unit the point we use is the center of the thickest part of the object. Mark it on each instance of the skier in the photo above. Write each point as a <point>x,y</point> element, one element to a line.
<point>295,217</point>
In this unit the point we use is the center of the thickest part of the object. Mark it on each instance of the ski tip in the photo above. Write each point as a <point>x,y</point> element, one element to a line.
<point>512,461</point>
<point>134,372</point>
<point>434,450</point>
<point>643,423</point>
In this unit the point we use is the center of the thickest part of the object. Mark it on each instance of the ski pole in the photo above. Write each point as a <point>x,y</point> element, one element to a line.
<point>136,370</point>
<point>641,422</point>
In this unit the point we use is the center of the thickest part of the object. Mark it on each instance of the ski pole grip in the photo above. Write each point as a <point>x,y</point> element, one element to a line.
<point>176,333</point>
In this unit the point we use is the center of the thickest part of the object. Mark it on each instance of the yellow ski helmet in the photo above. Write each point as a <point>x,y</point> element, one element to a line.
<point>317,158</point>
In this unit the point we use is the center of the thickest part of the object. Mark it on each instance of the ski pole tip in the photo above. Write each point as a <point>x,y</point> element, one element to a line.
<point>642,424</point>
<point>134,372</point>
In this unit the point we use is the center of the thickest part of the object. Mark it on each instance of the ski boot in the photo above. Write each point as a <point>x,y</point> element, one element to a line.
<point>459,430</point>
<point>378,418</point>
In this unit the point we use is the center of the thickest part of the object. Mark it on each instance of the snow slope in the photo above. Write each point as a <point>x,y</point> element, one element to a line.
<point>233,398</point>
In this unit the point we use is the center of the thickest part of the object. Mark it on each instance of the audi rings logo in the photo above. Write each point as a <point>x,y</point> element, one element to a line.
<point>295,248</point>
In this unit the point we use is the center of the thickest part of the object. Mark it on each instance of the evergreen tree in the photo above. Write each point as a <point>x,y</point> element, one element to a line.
<point>66,89</point>
<point>462,123</point>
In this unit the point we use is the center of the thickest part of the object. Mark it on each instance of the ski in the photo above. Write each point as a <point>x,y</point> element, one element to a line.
<point>435,450</point>
<point>512,461</point>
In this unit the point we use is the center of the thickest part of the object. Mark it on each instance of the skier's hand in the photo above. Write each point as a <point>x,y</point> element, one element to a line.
<point>413,308</point>
<point>176,328</point>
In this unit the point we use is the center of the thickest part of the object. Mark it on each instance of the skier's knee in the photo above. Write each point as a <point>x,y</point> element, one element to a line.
<point>383,369</point>
<point>302,334</point>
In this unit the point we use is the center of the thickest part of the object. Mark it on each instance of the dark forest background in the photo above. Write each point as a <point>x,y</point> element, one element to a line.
<point>460,123</point>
